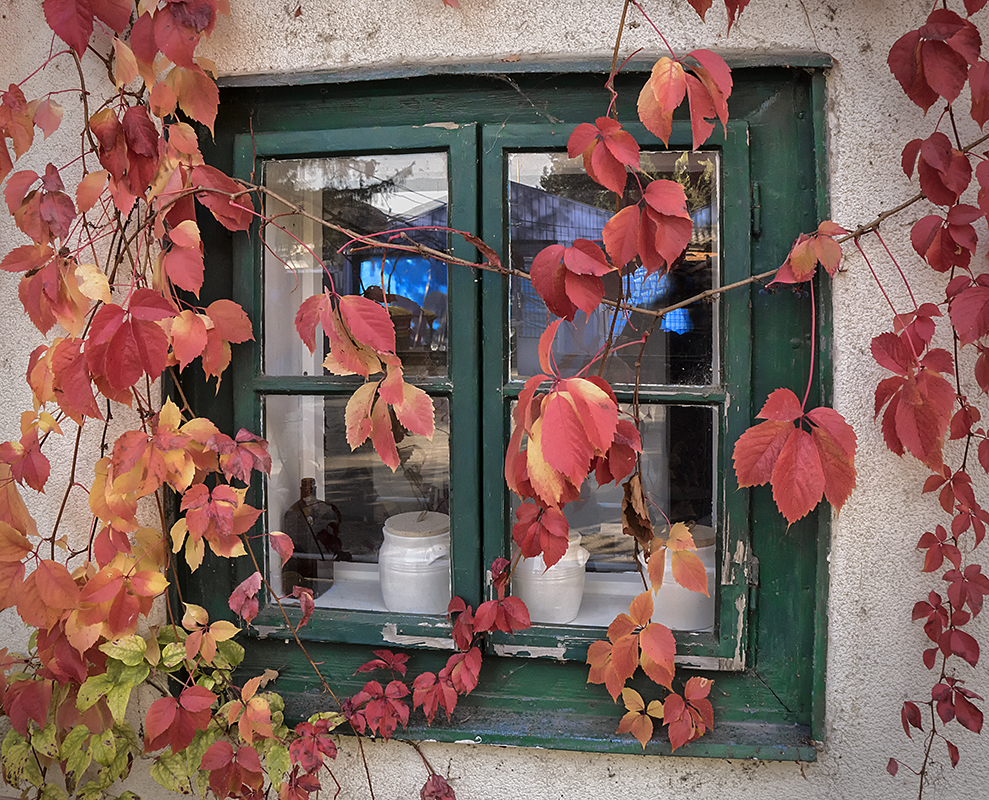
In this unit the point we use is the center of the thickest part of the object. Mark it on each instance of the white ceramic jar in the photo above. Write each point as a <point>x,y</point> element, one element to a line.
<point>414,563</point>
<point>554,594</point>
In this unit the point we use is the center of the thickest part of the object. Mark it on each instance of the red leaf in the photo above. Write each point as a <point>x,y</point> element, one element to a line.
<point>548,275</point>
<point>368,323</point>
<point>978,81</point>
<point>969,312</point>
<point>923,414</point>
<point>243,600</point>
<point>175,38</point>
<point>910,717</point>
<point>781,405</point>
<point>757,451</point>
<point>306,602</point>
<point>115,13</point>
<point>892,766</point>
<point>701,111</point>
<point>621,235</point>
<point>934,60</point>
<point>72,20</point>
<point>952,753</point>
<point>234,213</point>
<point>716,77</point>
<point>436,786</point>
<point>836,442</point>
<point>798,477</point>
<point>700,6</point>
<point>968,715</point>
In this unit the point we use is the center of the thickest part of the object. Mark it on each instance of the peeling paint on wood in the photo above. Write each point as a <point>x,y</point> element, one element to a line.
<point>558,652</point>
<point>390,634</point>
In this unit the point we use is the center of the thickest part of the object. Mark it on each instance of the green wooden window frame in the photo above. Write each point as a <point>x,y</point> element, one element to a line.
<point>766,654</point>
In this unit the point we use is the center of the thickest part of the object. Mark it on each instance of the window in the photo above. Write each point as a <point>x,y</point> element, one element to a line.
<point>487,153</point>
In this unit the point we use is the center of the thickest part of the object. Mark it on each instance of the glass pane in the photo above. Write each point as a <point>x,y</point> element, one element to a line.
<point>677,477</point>
<point>678,474</point>
<point>355,496</point>
<point>553,201</point>
<point>403,195</point>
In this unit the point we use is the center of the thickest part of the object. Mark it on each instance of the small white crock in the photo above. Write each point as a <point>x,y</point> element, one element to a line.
<point>552,595</point>
<point>414,563</point>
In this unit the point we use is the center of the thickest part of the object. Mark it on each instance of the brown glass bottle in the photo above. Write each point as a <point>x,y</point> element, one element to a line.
<point>314,528</point>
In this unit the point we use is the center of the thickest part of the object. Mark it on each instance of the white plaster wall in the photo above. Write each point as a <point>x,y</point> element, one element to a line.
<point>874,649</point>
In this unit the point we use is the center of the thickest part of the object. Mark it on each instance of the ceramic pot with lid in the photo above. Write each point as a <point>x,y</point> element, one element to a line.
<point>552,595</point>
<point>414,562</point>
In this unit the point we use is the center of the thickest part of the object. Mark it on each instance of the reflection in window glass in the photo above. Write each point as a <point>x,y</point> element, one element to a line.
<point>405,196</point>
<point>553,201</point>
<point>353,495</point>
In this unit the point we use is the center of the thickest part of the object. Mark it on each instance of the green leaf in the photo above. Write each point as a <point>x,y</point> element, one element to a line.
<point>231,654</point>
<point>125,675</point>
<point>93,790</point>
<point>103,747</point>
<point>15,754</point>
<point>117,700</point>
<point>43,741</point>
<point>172,654</point>
<point>169,771</point>
<point>76,755</point>
<point>119,769</point>
<point>52,791</point>
<point>130,650</point>
<point>278,762</point>
<point>197,748</point>
<point>335,718</point>
<point>95,687</point>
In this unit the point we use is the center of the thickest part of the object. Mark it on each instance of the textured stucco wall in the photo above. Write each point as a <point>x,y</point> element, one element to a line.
<point>874,649</point>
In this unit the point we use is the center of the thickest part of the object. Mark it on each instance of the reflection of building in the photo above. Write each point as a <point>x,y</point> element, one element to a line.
<point>539,219</point>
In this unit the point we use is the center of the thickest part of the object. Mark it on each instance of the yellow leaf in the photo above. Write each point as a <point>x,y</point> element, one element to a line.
<point>195,549</point>
<point>178,533</point>
<point>222,630</point>
<point>169,417</point>
<point>194,617</point>
<point>125,65</point>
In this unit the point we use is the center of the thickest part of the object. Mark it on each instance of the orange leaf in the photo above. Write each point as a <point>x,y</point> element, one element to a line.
<point>55,585</point>
<point>640,609</point>
<point>661,95</point>
<point>382,436</point>
<point>689,571</point>
<point>657,568</point>
<point>659,647</point>
<point>14,545</point>
<point>415,412</point>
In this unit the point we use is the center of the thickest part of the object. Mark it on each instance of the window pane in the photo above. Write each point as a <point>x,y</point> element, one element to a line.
<point>355,494</point>
<point>553,201</point>
<point>365,194</point>
<point>678,475</point>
